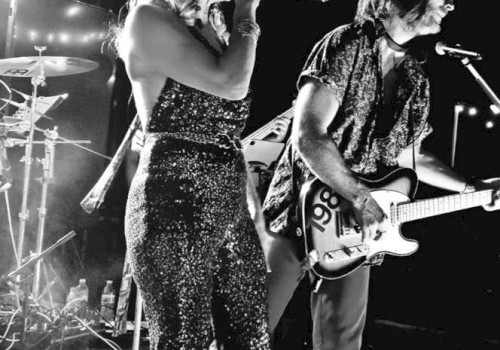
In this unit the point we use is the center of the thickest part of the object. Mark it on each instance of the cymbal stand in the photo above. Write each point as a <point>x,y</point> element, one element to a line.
<point>23,214</point>
<point>48,173</point>
<point>5,170</point>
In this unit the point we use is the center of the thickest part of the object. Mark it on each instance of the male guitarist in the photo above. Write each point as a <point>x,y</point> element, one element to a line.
<point>362,109</point>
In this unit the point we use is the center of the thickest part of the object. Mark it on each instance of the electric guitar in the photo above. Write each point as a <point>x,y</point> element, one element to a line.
<point>333,240</point>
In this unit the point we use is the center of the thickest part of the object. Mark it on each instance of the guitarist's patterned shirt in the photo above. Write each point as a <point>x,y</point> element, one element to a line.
<point>369,134</point>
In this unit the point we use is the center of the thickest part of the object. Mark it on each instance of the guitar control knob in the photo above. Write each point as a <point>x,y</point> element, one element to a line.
<point>298,232</point>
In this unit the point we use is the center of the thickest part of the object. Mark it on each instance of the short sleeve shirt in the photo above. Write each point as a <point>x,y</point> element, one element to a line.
<point>369,135</point>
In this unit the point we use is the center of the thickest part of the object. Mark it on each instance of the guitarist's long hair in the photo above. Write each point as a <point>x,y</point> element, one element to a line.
<point>411,11</point>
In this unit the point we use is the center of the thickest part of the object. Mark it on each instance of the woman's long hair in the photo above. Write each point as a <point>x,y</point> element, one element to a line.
<point>411,11</point>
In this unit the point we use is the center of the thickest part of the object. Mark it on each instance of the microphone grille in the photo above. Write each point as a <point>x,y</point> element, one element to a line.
<point>440,48</point>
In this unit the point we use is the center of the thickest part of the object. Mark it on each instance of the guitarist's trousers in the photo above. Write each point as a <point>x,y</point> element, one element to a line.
<point>338,307</point>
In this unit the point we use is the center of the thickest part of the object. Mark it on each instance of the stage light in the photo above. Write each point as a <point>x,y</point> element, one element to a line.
<point>64,37</point>
<point>472,111</point>
<point>489,124</point>
<point>459,108</point>
<point>72,11</point>
<point>495,109</point>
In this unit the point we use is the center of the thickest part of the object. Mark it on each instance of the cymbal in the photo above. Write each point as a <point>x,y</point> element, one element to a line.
<point>53,66</point>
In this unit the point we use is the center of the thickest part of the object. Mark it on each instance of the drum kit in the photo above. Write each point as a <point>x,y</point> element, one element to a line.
<point>19,130</point>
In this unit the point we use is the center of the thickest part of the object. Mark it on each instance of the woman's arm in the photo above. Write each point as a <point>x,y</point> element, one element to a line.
<point>155,41</point>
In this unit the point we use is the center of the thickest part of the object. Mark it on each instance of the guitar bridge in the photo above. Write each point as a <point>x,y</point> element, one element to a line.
<point>345,253</point>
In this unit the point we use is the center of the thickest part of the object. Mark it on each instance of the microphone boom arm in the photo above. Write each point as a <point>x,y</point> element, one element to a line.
<point>482,83</point>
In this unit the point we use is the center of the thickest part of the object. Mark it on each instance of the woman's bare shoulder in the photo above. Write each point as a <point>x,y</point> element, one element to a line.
<point>150,33</point>
<point>149,19</point>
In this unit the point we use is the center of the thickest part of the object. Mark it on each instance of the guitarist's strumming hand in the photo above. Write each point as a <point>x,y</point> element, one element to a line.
<point>371,219</point>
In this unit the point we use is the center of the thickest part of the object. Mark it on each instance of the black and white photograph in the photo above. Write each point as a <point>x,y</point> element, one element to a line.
<point>249,175</point>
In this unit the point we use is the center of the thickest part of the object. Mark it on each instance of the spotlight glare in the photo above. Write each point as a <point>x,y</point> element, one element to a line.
<point>489,124</point>
<point>64,37</point>
<point>495,109</point>
<point>72,11</point>
<point>459,108</point>
<point>472,111</point>
<point>50,37</point>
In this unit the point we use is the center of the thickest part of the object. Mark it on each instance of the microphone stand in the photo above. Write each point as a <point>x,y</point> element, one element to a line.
<point>482,83</point>
<point>456,114</point>
<point>488,91</point>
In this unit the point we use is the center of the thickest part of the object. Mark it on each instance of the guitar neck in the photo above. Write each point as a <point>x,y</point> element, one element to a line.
<point>432,207</point>
<point>266,129</point>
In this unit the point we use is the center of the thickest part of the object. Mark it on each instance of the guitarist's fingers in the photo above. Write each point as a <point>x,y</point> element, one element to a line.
<point>369,232</point>
<point>384,225</point>
<point>365,234</point>
<point>492,207</point>
<point>495,205</point>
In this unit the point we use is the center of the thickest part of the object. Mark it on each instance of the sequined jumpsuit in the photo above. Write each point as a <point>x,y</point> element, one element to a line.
<point>194,251</point>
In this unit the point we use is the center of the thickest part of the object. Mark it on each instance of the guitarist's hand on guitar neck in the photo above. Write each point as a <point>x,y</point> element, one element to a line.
<point>489,184</point>
<point>370,218</point>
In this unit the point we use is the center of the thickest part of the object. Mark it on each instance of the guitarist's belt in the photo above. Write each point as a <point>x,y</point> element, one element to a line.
<point>222,140</point>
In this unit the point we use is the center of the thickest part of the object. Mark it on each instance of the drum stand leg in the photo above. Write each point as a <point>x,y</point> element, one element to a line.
<point>11,230</point>
<point>48,174</point>
<point>137,321</point>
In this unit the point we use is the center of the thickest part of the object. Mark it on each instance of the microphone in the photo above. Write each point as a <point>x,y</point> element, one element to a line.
<point>456,52</point>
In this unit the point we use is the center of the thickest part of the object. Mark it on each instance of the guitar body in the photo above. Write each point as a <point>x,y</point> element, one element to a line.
<point>330,234</point>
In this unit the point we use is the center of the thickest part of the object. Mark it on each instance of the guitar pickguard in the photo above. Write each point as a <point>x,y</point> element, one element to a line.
<point>331,234</point>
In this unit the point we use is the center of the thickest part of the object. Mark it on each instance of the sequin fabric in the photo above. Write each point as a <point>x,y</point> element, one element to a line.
<point>193,247</point>
<point>347,60</point>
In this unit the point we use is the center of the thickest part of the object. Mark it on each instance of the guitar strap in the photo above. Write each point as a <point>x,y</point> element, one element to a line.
<point>294,193</point>
<point>412,131</point>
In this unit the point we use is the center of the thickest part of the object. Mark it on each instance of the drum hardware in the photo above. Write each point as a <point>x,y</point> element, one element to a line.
<point>9,92</point>
<point>37,66</point>
<point>76,143</point>
<point>45,66</point>
<point>20,278</point>
<point>5,185</point>
<point>30,111</point>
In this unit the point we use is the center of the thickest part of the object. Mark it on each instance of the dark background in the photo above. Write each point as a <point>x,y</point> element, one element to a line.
<point>448,292</point>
